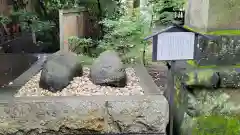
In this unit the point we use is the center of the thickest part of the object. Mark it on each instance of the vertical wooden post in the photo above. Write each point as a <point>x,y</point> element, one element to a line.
<point>72,23</point>
<point>61,30</point>
<point>4,7</point>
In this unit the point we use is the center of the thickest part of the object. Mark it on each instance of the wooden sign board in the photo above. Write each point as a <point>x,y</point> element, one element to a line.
<point>175,43</point>
<point>174,46</point>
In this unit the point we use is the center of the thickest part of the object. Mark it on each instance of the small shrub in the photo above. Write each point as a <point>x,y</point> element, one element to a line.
<point>81,45</point>
<point>4,20</point>
<point>163,10</point>
<point>125,36</point>
<point>30,20</point>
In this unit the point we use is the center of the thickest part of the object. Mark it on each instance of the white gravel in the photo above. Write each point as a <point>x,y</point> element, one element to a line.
<point>82,86</point>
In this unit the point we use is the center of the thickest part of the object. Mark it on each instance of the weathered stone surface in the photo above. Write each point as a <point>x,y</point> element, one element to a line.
<point>108,69</point>
<point>180,102</point>
<point>216,109</point>
<point>187,125</point>
<point>223,51</point>
<point>206,78</point>
<point>52,115</point>
<point>192,105</point>
<point>143,116</point>
<point>204,101</point>
<point>59,70</point>
<point>84,115</point>
<point>230,78</point>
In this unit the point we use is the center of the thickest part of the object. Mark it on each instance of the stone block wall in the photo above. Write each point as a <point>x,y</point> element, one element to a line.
<point>206,92</point>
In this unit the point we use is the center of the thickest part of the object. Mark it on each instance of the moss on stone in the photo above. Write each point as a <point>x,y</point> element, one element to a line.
<point>216,32</point>
<point>187,125</point>
<point>201,78</point>
<point>210,106</point>
<point>221,77</point>
<point>177,87</point>
<point>194,64</point>
<point>230,78</point>
<point>216,125</point>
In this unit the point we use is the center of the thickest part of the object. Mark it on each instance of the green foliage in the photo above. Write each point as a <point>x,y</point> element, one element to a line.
<point>81,45</point>
<point>45,20</point>
<point>4,20</point>
<point>123,34</point>
<point>31,21</point>
<point>85,60</point>
<point>96,9</point>
<point>126,37</point>
<point>60,4</point>
<point>116,12</point>
<point>162,10</point>
<point>217,125</point>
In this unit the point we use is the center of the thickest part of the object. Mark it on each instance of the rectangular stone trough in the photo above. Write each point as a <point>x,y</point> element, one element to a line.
<point>65,115</point>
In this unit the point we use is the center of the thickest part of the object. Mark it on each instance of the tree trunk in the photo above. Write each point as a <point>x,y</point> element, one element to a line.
<point>34,37</point>
<point>31,4</point>
<point>4,8</point>
<point>100,18</point>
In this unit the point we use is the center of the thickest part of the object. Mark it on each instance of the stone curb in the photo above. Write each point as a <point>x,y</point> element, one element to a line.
<point>8,91</point>
<point>102,114</point>
<point>147,114</point>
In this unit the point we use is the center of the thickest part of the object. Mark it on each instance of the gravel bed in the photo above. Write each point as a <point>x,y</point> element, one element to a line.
<point>82,86</point>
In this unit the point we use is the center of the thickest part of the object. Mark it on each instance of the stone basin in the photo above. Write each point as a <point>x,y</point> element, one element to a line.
<point>105,114</point>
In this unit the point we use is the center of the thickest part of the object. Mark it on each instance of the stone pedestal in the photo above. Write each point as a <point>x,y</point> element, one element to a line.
<point>212,15</point>
<point>72,23</point>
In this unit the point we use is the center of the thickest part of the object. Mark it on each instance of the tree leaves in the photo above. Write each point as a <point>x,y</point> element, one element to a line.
<point>163,10</point>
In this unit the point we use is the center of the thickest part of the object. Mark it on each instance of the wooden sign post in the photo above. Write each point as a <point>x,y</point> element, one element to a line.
<point>172,44</point>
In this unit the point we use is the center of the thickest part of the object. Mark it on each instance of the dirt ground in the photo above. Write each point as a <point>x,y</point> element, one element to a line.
<point>158,71</point>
